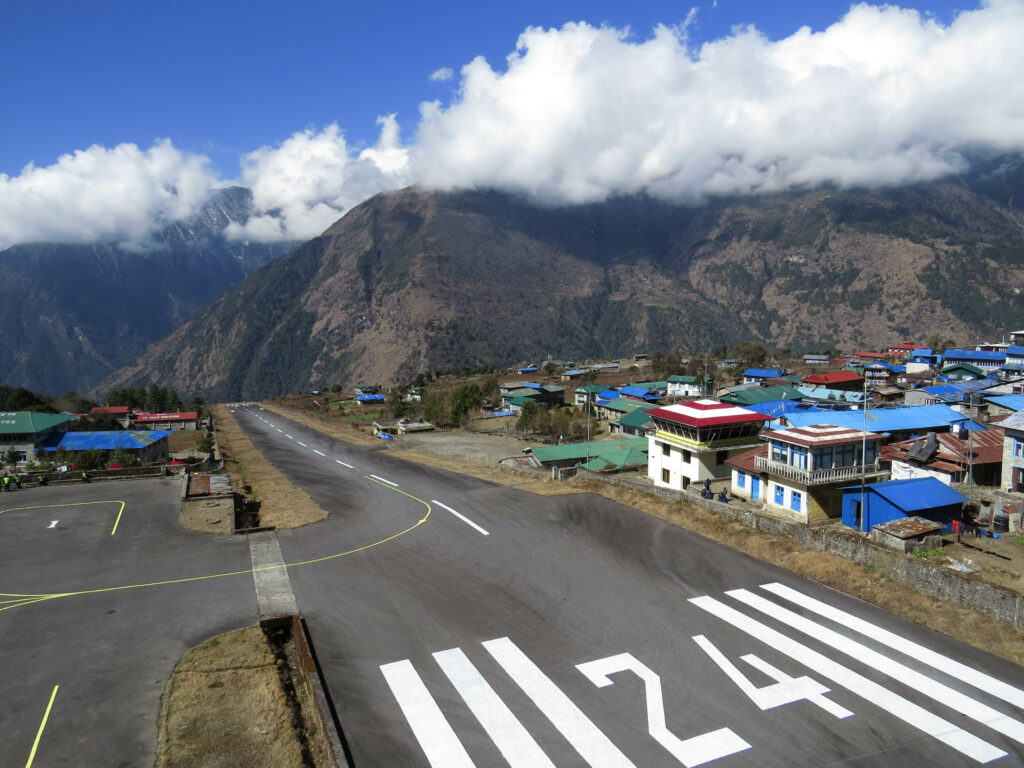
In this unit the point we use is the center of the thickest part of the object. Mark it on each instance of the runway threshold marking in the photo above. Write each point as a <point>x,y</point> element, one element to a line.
<point>9,600</point>
<point>461,517</point>
<point>78,504</point>
<point>42,726</point>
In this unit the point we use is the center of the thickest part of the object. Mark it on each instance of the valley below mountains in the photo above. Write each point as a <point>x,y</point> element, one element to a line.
<point>423,281</point>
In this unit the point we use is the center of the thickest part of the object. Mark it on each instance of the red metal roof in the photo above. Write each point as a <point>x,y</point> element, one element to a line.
<point>871,355</point>
<point>110,410</point>
<point>837,377</point>
<point>706,413</point>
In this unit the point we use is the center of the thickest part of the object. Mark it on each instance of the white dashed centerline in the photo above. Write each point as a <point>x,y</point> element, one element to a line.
<point>461,517</point>
<point>289,437</point>
<point>339,461</point>
<point>317,452</point>
<point>378,477</point>
<point>302,443</point>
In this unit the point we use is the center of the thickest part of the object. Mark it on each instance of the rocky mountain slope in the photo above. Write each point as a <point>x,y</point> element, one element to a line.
<point>73,314</point>
<point>417,281</point>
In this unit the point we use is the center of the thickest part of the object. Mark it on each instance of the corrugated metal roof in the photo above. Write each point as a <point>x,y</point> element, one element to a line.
<point>30,422</point>
<point>636,419</point>
<point>746,397</point>
<point>570,451</point>
<point>1013,402</point>
<point>108,441</point>
<point>917,493</point>
<point>898,419</point>
<point>764,373</point>
<point>973,354</point>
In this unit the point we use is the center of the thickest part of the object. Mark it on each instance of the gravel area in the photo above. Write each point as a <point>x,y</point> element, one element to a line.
<point>461,445</point>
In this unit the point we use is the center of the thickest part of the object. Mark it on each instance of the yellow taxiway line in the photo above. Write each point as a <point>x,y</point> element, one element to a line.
<point>79,504</point>
<point>18,600</point>
<point>42,725</point>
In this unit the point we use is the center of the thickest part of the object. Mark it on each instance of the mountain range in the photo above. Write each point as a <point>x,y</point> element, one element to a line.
<point>421,281</point>
<point>75,313</point>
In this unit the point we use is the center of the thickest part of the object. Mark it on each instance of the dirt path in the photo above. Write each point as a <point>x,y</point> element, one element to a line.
<point>281,504</point>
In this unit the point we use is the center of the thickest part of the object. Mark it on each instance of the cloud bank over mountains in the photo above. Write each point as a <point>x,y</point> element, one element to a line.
<point>884,95</point>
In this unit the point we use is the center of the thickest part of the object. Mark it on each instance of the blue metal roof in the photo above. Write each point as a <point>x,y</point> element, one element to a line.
<point>764,373</point>
<point>574,372</point>
<point>108,440</point>
<point>775,408</point>
<point>1013,402</point>
<point>954,391</point>
<point>634,391</point>
<point>823,393</point>
<point>369,398</point>
<point>608,394</point>
<point>915,494</point>
<point>527,369</point>
<point>531,385</point>
<point>899,419</point>
<point>1015,349</point>
<point>973,354</point>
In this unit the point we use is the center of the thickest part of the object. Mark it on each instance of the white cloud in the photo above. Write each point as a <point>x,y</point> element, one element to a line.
<point>440,75</point>
<point>884,95</point>
<point>302,186</point>
<point>98,193</point>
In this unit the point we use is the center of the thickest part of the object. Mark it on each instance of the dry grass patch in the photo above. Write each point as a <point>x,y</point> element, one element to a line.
<point>281,504</point>
<point>208,515</point>
<point>225,706</point>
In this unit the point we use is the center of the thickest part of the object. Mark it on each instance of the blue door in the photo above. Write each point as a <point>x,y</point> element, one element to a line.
<point>755,488</point>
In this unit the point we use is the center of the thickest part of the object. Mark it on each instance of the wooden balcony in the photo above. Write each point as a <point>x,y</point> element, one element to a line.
<point>817,476</point>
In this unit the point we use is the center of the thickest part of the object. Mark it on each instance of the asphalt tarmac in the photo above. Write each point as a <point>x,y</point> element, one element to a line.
<point>472,624</point>
<point>84,619</point>
<point>461,623</point>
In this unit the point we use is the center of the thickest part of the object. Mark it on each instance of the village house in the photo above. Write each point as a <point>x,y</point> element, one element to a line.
<point>144,445</point>
<point>187,421</point>
<point>799,472</point>
<point>815,360</point>
<point>22,433</point>
<point>987,361</point>
<point>905,349</point>
<point>692,441</point>
<point>867,506</point>
<point>843,380</point>
<point>1013,453</point>
<point>950,457</point>
<point>678,386</point>
<point>758,375</point>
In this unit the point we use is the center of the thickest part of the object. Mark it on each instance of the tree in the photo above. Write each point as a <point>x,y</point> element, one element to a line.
<point>435,409</point>
<point>466,398</point>
<point>753,353</point>
<point>528,416</point>
<point>122,456</point>
<point>551,367</point>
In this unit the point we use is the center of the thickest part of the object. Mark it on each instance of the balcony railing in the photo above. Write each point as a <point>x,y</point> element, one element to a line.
<point>816,476</point>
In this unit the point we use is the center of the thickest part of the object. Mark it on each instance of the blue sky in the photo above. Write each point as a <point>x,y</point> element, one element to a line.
<point>219,80</point>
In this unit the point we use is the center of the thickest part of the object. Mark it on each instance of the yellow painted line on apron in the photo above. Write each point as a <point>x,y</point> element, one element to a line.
<point>42,725</point>
<point>79,504</point>
<point>28,599</point>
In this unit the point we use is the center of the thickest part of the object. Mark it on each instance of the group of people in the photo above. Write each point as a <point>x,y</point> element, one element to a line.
<point>707,493</point>
<point>14,481</point>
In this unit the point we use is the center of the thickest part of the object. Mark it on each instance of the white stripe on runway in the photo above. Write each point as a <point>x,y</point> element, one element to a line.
<point>882,697</point>
<point>279,429</point>
<point>576,727</point>
<point>378,477</point>
<point>512,739</point>
<point>943,694</point>
<point>302,443</point>
<point>289,437</point>
<point>432,731</point>
<point>461,517</point>
<point>317,452</point>
<point>920,653</point>
<point>343,463</point>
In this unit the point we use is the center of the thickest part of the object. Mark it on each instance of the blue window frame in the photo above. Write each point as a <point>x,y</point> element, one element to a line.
<point>780,495</point>
<point>1018,448</point>
<point>741,479</point>
<point>794,501</point>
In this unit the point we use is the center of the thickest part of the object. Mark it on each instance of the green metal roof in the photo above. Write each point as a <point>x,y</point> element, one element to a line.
<point>762,395</point>
<point>611,450</point>
<point>635,419</point>
<point>30,422</point>
<point>595,389</point>
<point>652,384</point>
<point>624,405</point>
<point>522,400</point>
<point>618,457</point>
